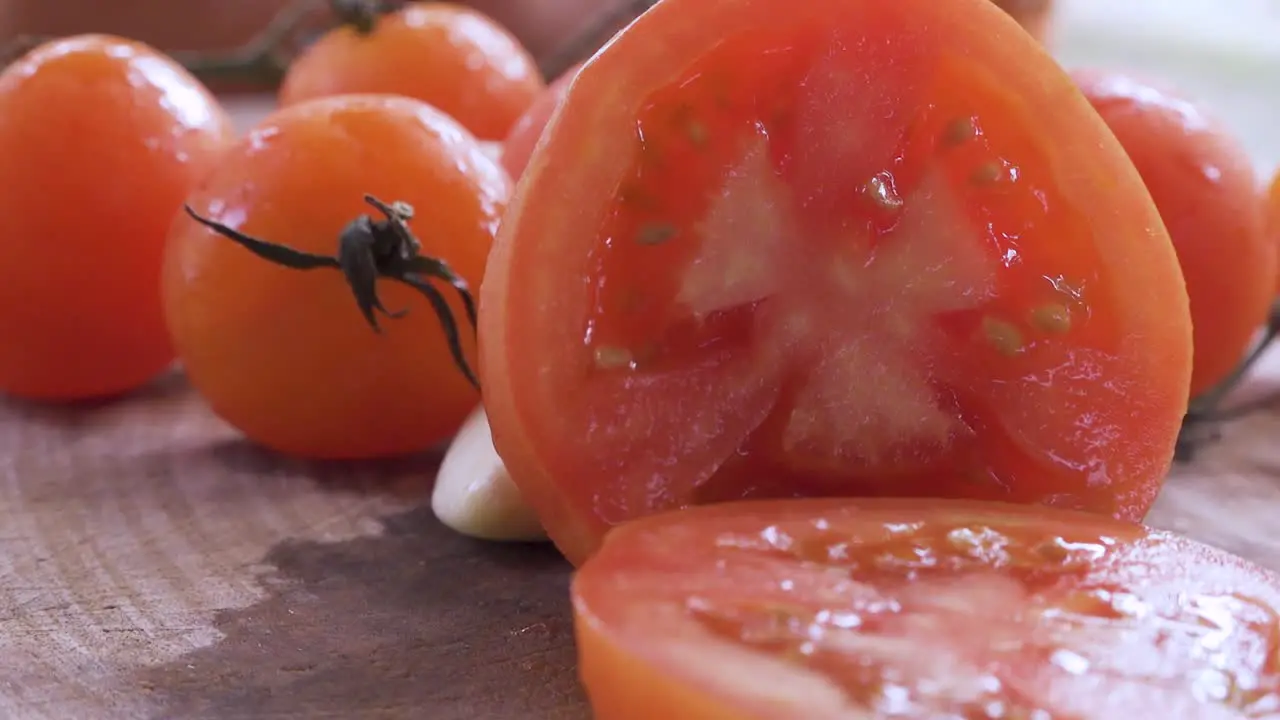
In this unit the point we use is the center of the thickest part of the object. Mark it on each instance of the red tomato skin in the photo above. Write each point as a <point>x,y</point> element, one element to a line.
<point>632,605</point>
<point>607,93</point>
<point>285,356</point>
<point>1203,182</point>
<point>519,144</point>
<point>1273,220</point>
<point>102,139</point>
<point>446,54</point>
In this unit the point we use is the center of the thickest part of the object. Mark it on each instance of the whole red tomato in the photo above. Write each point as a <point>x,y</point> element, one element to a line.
<point>450,56</point>
<point>1273,217</point>
<point>285,356</point>
<point>1204,184</point>
<point>101,139</point>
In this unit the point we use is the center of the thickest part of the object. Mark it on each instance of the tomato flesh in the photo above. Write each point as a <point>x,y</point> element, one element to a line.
<point>920,609</point>
<point>857,269</point>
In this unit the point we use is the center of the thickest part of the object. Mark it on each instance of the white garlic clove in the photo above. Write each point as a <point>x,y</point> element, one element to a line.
<point>474,495</point>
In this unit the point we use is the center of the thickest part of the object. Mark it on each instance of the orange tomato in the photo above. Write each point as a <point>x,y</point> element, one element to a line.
<point>285,356</point>
<point>835,247</point>
<point>912,609</point>
<point>518,147</point>
<point>1273,218</point>
<point>1204,184</point>
<point>100,139</point>
<point>450,56</point>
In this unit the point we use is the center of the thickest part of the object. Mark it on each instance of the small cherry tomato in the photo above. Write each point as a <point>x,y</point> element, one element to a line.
<point>837,247</point>
<point>920,609</point>
<point>1034,15</point>
<point>449,56</point>
<point>285,356</point>
<point>101,138</point>
<point>1273,218</point>
<point>524,135</point>
<point>1205,186</point>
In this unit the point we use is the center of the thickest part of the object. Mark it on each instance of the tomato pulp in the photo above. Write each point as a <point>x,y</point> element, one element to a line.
<point>832,248</point>
<point>920,609</point>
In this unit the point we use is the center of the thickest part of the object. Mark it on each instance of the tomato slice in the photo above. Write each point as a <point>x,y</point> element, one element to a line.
<point>838,247</point>
<point>920,609</point>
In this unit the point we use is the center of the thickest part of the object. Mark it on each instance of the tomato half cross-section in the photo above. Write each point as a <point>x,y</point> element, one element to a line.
<point>914,609</point>
<point>838,247</point>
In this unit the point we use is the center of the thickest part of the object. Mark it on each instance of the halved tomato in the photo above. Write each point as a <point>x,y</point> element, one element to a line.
<point>838,247</point>
<point>821,609</point>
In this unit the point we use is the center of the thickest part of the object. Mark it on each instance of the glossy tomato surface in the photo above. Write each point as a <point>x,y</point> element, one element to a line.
<point>445,54</point>
<point>285,355</point>
<point>518,147</point>
<point>101,139</point>
<point>1273,218</point>
<point>920,609</point>
<point>1204,185</point>
<point>831,248</point>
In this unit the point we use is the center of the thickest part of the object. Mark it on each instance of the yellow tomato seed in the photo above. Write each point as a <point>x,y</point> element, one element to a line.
<point>1053,318</point>
<point>610,357</point>
<point>1003,336</point>
<point>959,131</point>
<point>655,233</point>
<point>987,173</point>
<point>698,133</point>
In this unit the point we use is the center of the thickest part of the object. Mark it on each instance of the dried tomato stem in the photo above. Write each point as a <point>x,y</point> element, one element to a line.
<point>369,250</point>
<point>1205,413</point>
<point>362,15</point>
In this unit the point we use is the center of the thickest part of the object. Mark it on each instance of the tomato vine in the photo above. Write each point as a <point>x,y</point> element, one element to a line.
<point>370,249</point>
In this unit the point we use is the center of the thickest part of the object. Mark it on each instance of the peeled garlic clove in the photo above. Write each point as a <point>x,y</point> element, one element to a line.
<point>474,494</point>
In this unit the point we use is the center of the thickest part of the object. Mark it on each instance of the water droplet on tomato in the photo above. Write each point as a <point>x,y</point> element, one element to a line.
<point>1069,661</point>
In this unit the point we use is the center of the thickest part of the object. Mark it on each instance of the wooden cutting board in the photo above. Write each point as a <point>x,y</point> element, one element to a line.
<point>155,565</point>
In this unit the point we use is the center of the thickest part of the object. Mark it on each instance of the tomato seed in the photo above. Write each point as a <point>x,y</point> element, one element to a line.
<point>609,357</point>
<point>698,133</point>
<point>987,173</point>
<point>1002,335</point>
<point>1053,318</point>
<point>959,131</point>
<point>655,233</point>
<point>880,189</point>
<point>1054,550</point>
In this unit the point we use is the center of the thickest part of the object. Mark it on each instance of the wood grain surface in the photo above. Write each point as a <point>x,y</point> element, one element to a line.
<point>154,565</point>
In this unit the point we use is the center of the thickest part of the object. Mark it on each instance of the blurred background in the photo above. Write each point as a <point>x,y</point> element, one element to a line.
<point>1225,53</point>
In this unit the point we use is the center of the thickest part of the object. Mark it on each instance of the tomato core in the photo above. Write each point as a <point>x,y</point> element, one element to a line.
<point>898,270</point>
